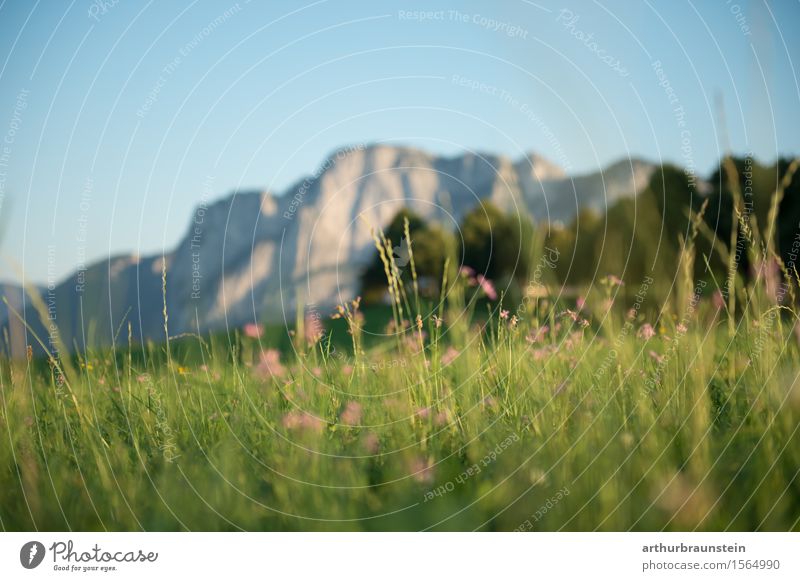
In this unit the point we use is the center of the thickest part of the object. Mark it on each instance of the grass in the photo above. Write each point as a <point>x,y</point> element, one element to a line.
<point>587,427</point>
<point>547,416</point>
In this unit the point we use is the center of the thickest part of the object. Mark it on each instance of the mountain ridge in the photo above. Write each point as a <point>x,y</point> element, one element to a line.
<point>251,255</point>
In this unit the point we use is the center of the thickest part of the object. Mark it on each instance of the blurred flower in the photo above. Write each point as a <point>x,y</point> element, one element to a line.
<point>270,364</point>
<point>253,330</point>
<point>612,280</point>
<point>503,314</point>
<point>351,415</point>
<point>347,369</point>
<point>537,334</point>
<point>467,271</point>
<point>580,303</point>
<point>312,328</point>
<point>302,422</point>
<point>646,332</point>
<point>718,300</point>
<point>437,321</point>
<point>681,328</point>
<point>450,354</point>
<point>423,413</point>
<point>440,419</point>
<point>571,314</point>
<point>371,443</point>
<point>656,357</point>
<point>421,470</point>
<point>487,287</point>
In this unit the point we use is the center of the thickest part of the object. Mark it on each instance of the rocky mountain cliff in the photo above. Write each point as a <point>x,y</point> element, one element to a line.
<point>250,256</point>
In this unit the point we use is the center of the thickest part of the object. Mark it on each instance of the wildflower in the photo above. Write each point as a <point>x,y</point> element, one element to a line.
<point>253,330</point>
<point>537,334</point>
<point>301,421</point>
<point>681,328</point>
<point>351,415</point>
<point>423,413</point>
<point>612,280</point>
<point>312,328</point>
<point>183,370</point>
<point>571,314</point>
<point>437,321</point>
<point>450,355</point>
<point>718,300</point>
<point>270,364</point>
<point>487,287</point>
<point>656,357</point>
<point>371,443</point>
<point>467,271</point>
<point>646,332</point>
<point>503,314</point>
<point>580,303</point>
<point>422,470</point>
<point>513,322</point>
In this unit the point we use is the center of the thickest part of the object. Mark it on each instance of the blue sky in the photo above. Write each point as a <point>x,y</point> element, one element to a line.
<point>117,117</point>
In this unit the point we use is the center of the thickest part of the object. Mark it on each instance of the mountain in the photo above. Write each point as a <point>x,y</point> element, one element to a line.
<point>253,255</point>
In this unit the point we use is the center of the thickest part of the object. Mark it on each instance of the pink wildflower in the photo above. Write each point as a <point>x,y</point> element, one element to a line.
<point>449,355</point>
<point>371,443</point>
<point>299,421</point>
<point>503,314</point>
<point>312,328</point>
<point>467,271</point>
<point>537,334</point>
<point>646,332</point>
<point>487,287</point>
<point>253,330</point>
<point>422,470</point>
<point>351,415</point>
<point>270,364</point>
<point>718,300</point>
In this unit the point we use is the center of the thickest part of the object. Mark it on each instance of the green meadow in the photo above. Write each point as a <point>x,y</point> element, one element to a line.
<point>610,408</point>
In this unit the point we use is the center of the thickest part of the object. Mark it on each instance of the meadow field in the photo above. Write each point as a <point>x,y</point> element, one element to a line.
<point>609,411</point>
